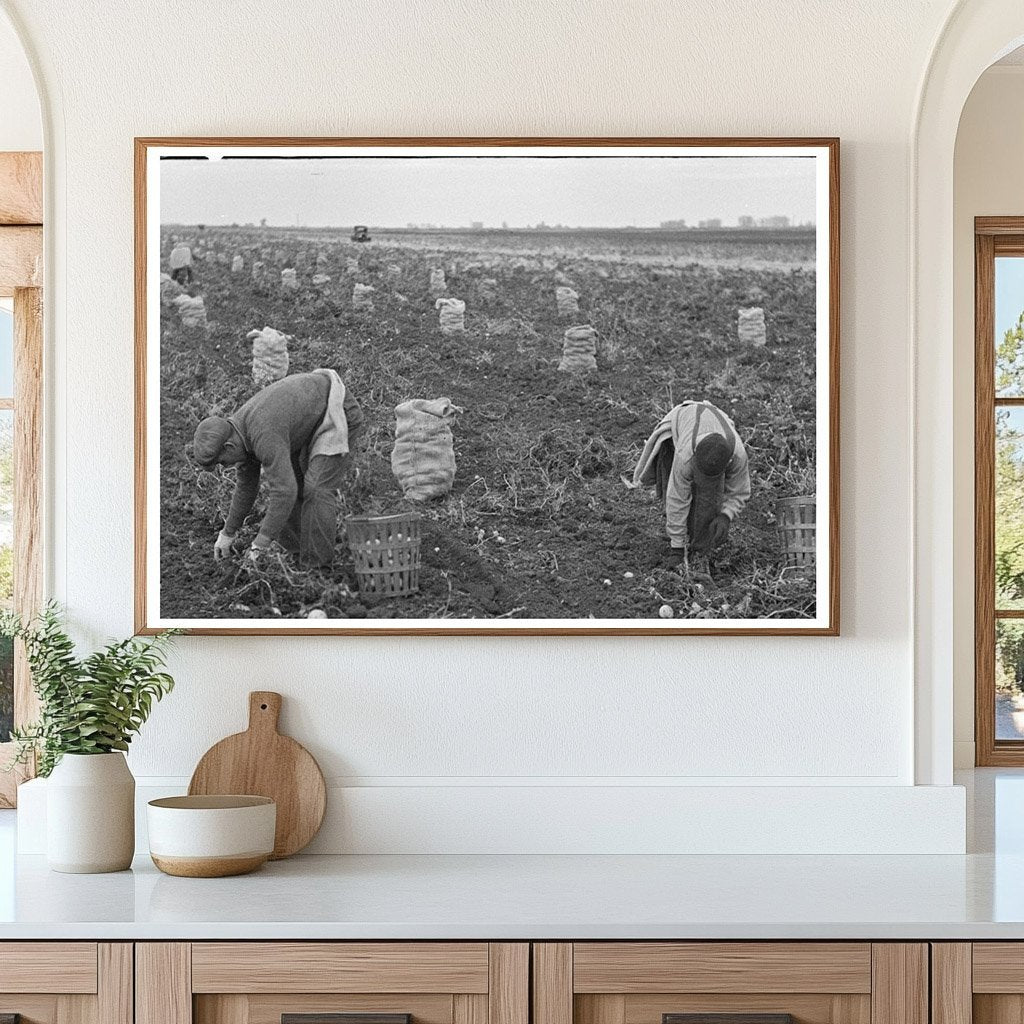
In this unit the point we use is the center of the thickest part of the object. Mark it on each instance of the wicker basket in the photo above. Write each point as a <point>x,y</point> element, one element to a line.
<point>386,551</point>
<point>796,525</point>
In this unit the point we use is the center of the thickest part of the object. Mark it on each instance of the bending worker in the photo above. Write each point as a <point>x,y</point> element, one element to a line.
<point>698,464</point>
<point>296,433</point>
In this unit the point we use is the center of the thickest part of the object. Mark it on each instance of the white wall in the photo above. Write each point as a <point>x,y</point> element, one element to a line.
<point>21,127</point>
<point>458,712</point>
<point>987,181</point>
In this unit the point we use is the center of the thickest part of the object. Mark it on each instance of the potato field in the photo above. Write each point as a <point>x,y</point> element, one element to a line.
<point>539,523</point>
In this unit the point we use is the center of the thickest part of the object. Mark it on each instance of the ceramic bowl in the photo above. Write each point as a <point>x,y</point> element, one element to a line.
<point>211,836</point>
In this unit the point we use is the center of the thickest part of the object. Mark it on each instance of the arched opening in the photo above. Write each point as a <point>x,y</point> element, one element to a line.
<point>989,151</point>
<point>977,34</point>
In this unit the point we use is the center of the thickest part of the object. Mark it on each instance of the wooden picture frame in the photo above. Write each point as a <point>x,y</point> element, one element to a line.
<point>823,227</point>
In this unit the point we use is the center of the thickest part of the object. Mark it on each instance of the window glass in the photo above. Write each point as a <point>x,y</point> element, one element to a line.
<point>1009,679</point>
<point>6,353</point>
<point>1009,327</point>
<point>1009,512</point>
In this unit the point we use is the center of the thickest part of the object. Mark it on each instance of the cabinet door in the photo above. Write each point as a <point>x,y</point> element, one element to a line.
<point>332,983</point>
<point>730,983</point>
<point>65,983</point>
<point>980,982</point>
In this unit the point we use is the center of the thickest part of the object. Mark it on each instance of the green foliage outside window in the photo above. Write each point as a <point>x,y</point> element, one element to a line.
<point>1009,510</point>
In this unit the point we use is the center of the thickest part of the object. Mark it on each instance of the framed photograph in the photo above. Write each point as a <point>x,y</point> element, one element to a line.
<point>493,386</point>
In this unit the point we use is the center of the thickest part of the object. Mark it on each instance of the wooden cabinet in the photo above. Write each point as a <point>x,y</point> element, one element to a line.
<point>494,983</point>
<point>978,983</point>
<point>752,982</point>
<point>306,982</point>
<point>66,982</point>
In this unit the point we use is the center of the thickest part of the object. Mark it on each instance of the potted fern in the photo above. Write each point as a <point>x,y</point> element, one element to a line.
<point>90,708</point>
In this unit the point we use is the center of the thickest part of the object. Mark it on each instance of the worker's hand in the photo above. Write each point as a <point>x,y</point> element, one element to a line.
<point>222,545</point>
<point>718,530</point>
<point>260,546</point>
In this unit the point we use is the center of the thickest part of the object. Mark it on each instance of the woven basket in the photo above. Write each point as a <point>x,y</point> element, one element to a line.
<point>386,552</point>
<point>797,530</point>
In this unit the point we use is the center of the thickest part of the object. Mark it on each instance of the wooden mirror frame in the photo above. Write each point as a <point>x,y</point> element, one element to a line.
<point>21,278</point>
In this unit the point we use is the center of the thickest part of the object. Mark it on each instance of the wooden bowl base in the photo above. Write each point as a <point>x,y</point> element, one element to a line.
<point>209,867</point>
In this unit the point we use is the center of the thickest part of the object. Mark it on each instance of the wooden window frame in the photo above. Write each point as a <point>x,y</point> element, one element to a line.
<point>21,278</point>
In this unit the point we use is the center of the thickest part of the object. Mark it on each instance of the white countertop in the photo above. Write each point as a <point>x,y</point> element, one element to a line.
<point>977,896</point>
<point>517,897</point>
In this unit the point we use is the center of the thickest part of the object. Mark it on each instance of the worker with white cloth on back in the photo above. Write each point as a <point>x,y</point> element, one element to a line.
<point>698,464</point>
<point>296,433</point>
<point>181,263</point>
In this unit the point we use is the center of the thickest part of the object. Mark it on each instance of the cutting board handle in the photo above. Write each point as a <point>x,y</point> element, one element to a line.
<point>264,710</point>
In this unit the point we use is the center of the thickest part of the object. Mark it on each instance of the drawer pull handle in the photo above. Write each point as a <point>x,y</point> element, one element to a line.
<point>340,1018</point>
<point>727,1018</point>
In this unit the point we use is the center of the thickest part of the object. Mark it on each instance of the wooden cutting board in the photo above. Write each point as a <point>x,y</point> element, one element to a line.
<point>262,762</point>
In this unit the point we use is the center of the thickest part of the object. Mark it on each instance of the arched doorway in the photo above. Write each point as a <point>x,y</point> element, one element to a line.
<point>975,35</point>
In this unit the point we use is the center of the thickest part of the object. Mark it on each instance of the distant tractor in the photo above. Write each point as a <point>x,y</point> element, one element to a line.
<point>360,233</point>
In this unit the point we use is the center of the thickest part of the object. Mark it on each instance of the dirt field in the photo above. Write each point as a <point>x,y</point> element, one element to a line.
<point>539,524</point>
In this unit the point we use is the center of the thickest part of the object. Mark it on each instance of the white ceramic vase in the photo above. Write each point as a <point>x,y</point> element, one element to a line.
<point>90,814</point>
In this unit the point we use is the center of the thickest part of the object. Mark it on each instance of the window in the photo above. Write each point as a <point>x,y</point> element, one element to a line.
<point>6,510</point>
<point>999,490</point>
<point>20,501</point>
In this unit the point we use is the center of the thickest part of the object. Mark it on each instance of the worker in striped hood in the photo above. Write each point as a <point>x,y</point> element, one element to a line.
<point>698,464</point>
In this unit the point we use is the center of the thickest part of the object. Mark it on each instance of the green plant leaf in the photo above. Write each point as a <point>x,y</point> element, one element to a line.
<point>87,706</point>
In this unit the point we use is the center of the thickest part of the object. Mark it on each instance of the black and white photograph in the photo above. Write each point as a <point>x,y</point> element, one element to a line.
<point>444,387</point>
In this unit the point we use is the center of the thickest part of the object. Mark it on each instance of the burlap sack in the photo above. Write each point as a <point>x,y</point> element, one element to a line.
<point>488,289</point>
<point>257,272</point>
<point>568,301</point>
<point>453,313</point>
<point>351,265</point>
<point>269,355</point>
<point>321,280</point>
<point>192,312</point>
<point>751,327</point>
<point>579,350</point>
<point>169,288</point>
<point>289,282</point>
<point>394,272</point>
<point>362,297</point>
<point>423,459</point>
<point>237,264</point>
<point>438,285</point>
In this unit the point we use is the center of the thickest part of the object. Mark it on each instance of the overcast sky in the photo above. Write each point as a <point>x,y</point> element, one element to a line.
<point>456,191</point>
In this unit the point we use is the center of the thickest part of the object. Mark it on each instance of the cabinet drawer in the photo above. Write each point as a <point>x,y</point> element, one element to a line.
<point>730,983</point>
<point>998,967</point>
<point>635,967</point>
<point>332,983</point>
<point>64,967</point>
<point>340,967</point>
